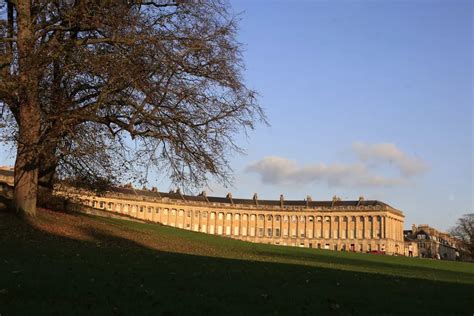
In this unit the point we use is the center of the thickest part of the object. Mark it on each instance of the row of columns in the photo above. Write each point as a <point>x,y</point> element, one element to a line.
<point>266,225</point>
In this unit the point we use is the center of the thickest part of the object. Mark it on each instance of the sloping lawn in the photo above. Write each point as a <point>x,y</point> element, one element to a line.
<point>77,264</point>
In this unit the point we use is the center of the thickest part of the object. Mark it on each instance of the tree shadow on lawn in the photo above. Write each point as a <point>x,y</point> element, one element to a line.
<point>52,274</point>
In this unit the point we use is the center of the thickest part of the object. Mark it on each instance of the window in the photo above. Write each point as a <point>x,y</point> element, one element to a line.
<point>285,218</point>
<point>319,219</point>
<point>245,217</point>
<point>344,219</point>
<point>260,232</point>
<point>228,216</point>
<point>269,218</point>
<point>213,215</point>
<point>302,218</point>
<point>221,216</point>
<point>141,209</point>
<point>188,213</point>
<point>311,219</point>
<point>336,219</point>
<point>173,212</point>
<point>277,218</point>
<point>101,204</point>
<point>261,217</point>
<point>269,232</point>
<point>277,232</point>
<point>204,214</point>
<point>157,211</point>
<point>327,219</point>
<point>252,217</point>
<point>293,218</point>
<point>149,209</point>
<point>237,216</point>
<point>196,214</point>
<point>361,218</point>
<point>110,205</point>
<point>353,219</point>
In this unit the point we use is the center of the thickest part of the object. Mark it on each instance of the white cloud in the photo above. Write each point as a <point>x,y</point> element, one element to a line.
<point>389,153</point>
<point>282,171</point>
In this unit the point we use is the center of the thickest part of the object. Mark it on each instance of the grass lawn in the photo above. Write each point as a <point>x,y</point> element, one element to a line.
<point>77,264</point>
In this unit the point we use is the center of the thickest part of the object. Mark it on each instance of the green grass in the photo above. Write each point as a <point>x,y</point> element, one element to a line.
<point>165,271</point>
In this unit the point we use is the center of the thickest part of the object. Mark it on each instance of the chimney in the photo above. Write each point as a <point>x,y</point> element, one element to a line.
<point>229,197</point>
<point>361,199</point>
<point>255,198</point>
<point>413,229</point>
<point>309,199</point>
<point>282,200</point>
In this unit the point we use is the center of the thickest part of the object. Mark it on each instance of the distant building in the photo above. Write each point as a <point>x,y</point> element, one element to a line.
<point>6,175</point>
<point>431,243</point>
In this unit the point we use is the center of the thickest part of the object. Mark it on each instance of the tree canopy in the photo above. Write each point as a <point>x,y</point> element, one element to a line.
<point>91,89</point>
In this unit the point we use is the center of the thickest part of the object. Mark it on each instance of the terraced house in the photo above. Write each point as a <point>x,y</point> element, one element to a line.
<point>361,225</point>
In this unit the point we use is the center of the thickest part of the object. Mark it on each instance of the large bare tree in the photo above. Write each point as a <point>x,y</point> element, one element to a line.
<point>90,89</point>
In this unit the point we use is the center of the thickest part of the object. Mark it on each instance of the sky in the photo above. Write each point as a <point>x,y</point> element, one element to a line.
<point>364,98</point>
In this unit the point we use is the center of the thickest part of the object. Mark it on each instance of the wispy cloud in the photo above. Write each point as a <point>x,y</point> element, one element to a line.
<point>282,171</point>
<point>383,153</point>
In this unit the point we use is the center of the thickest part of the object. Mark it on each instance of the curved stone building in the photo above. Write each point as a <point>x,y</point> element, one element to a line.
<point>361,226</point>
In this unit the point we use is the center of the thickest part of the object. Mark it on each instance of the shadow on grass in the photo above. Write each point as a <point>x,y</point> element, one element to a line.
<point>51,274</point>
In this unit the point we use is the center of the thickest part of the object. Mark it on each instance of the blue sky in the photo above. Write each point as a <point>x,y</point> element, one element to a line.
<point>364,98</point>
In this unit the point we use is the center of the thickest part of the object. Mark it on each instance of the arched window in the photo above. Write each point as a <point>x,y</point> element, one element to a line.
<point>319,219</point>
<point>213,215</point>
<point>188,213</point>
<point>252,218</point>
<point>311,219</point>
<point>327,219</point>
<point>204,214</point>
<point>294,218</point>
<point>245,217</point>
<point>353,219</point>
<point>141,209</point>
<point>302,218</point>
<point>150,209</point>
<point>269,218</point>
<point>344,219</point>
<point>173,212</point>
<point>361,218</point>
<point>237,216</point>
<point>101,204</point>
<point>336,219</point>
<point>261,217</point>
<point>221,216</point>
<point>229,216</point>
<point>277,218</point>
<point>285,218</point>
<point>196,214</point>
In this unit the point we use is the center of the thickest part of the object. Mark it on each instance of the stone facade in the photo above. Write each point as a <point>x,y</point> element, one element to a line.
<point>361,226</point>
<point>432,243</point>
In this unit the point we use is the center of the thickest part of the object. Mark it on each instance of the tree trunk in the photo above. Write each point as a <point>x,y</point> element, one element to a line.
<point>26,164</point>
